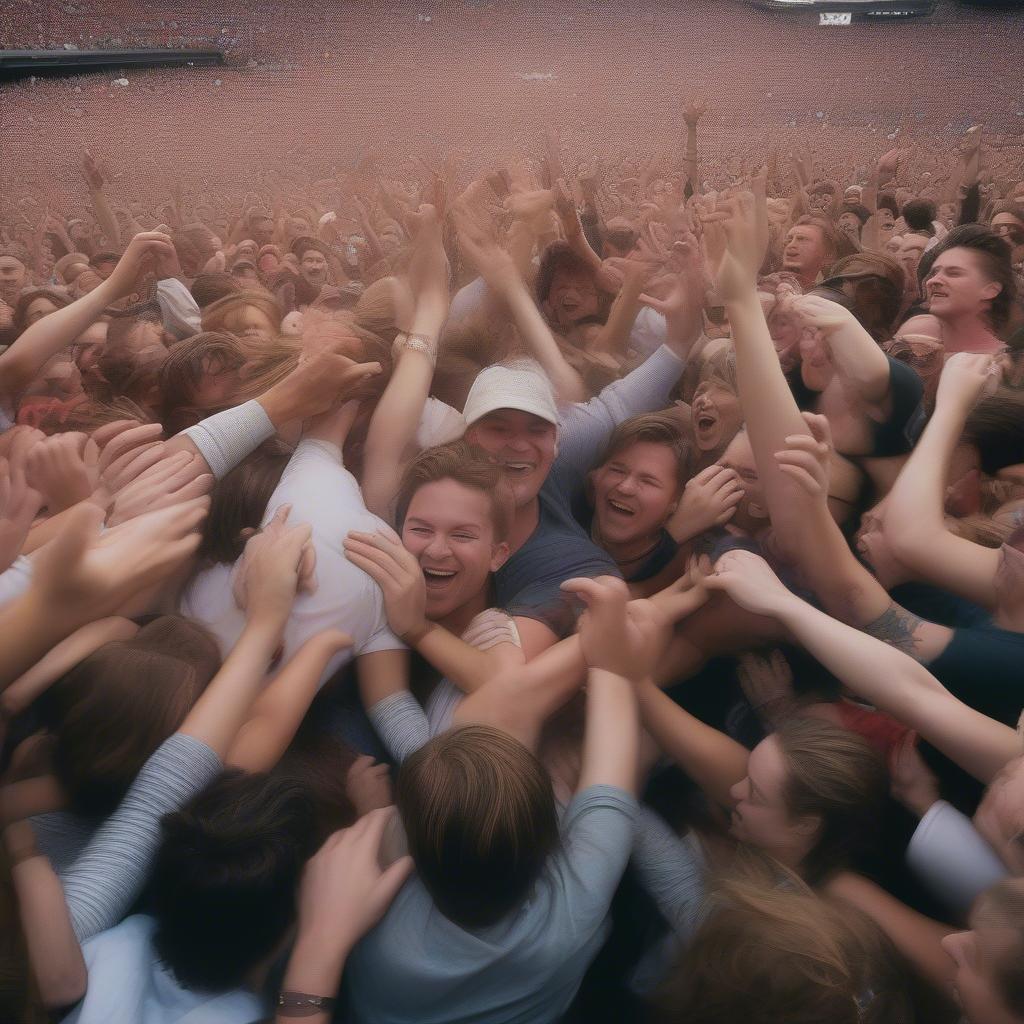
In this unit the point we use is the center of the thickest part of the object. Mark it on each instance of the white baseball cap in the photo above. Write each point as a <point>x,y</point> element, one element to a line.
<point>520,384</point>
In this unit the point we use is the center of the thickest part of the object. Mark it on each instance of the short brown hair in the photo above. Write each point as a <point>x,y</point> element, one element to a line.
<point>828,232</point>
<point>838,777</point>
<point>466,465</point>
<point>113,710</point>
<point>654,428</point>
<point>479,813</point>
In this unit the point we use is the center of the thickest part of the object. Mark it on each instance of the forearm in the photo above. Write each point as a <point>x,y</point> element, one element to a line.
<point>713,760</point>
<point>46,337</point>
<point>611,744</point>
<point>770,412</point>
<point>64,656</point>
<point>537,336</point>
<point>53,950</point>
<point>917,937</point>
<point>468,668</point>
<point>314,968</point>
<point>393,425</point>
<point>279,710</point>
<point>223,706</point>
<point>861,363</point>
<point>614,336</point>
<point>29,630</point>
<point>895,683</point>
<point>105,218</point>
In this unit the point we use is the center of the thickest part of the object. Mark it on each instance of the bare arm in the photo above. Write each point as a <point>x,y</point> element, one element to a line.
<point>53,951</point>
<point>395,419</point>
<point>713,760</point>
<point>101,208</point>
<point>917,937</point>
<point>279,710</point>
<point>914,513</point>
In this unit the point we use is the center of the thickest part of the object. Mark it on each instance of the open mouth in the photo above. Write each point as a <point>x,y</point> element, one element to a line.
<point>519,468</point>
<point>435,578</point>
<point>706,422</point>
<point>623,510</point>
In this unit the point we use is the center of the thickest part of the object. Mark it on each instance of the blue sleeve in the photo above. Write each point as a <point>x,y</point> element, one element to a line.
<point>586,426</point>
<point>107,878</point>
<point>597,836</point>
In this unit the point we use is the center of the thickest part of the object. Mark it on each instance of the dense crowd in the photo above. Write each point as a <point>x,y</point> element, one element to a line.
<point>585,592</point>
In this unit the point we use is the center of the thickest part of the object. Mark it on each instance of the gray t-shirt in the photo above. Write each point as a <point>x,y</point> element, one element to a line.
<point>418,967</point>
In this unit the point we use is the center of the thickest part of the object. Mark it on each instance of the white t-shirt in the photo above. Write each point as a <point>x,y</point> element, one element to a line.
<point>325,495</point>
<point>129,985</point>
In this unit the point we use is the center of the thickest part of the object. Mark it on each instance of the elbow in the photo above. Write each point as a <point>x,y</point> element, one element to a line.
<point>64,987</point>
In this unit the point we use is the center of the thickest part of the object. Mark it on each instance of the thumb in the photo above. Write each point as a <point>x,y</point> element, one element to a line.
<point>393,879</point>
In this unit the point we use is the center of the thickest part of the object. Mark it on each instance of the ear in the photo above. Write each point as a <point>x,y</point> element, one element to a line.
<point>499,555</point>
<point>991,290</point>
<point>808,826</point>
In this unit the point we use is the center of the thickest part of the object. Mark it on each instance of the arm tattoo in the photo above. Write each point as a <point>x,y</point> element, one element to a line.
<point>897,627</point>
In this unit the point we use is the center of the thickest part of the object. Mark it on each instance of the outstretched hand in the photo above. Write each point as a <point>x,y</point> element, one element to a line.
<point>749,580</point>
<point>618,635</point>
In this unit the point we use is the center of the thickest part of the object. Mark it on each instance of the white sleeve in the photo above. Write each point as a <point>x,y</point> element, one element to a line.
<point>952,858</point>
<point>181,314</point>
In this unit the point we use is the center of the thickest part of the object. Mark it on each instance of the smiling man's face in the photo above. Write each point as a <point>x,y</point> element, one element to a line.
<point>524,444</point>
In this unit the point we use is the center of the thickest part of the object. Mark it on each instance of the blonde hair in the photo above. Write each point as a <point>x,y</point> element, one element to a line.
<point>772,952</point>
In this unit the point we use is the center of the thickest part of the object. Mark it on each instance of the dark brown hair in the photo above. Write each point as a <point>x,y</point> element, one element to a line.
<point>112,710</point>
<point>995,255</point>
<point>239,500</point>
<point>466,465</point>
<point>479,815</point>
<point>182,371</point>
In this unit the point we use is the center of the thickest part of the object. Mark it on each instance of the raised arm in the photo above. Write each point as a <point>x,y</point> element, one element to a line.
<point>397,415</point>
<point>104,215</point>
<point>875,671</point>
<point>914,519</point>
<point>504,280</point>
<point>861,364</point>
<point>146,254</point>
<point>802,526</point>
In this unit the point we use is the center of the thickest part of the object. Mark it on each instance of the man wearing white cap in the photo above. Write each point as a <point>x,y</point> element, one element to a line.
<point>547,452</point>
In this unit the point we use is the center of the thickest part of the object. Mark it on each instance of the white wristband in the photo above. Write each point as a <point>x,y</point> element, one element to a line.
<point>229,436</point>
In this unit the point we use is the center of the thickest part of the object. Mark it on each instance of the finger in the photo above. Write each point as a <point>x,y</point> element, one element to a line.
<point>125,439</point>
<point>707,475</point>
<point>132,464</point>
<point>806,481</point>
<point>375,564</point>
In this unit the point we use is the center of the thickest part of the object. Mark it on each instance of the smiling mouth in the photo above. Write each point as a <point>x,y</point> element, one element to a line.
<point>620,508</point>
<point>438,577</point>
<point>519,468</point>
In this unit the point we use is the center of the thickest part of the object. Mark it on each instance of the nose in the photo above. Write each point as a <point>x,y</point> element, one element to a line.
<point>519,442</point>
<point>438,547</point>
<point>627,485</point>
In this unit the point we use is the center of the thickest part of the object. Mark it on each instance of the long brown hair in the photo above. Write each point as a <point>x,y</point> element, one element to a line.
<point>113,709</point>
<point>772,952</point>
<point>836,776</point>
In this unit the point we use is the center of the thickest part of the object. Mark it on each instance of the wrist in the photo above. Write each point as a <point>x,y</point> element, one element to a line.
<point>317,960</point>
<point>414,635</point>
